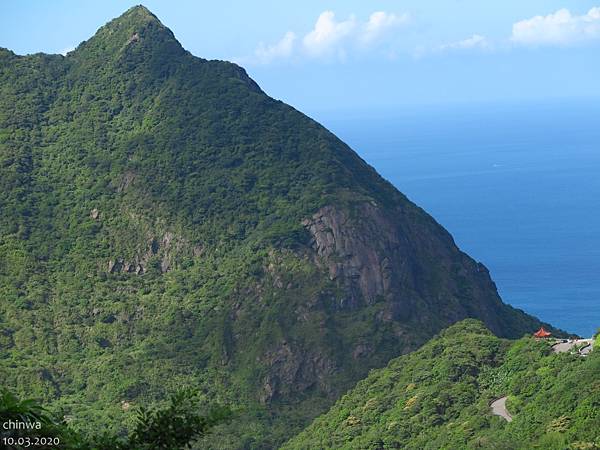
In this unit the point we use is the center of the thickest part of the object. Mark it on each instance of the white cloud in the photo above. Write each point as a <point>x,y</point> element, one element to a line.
<point>330,38</point>
<point>328,34</point>
<point>559,28</point>
<point>475,41</point>
<point>265,54</point>
<point>379,24</point>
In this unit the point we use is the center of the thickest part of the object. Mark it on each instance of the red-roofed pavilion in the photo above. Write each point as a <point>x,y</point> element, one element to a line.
<point>542,333</point>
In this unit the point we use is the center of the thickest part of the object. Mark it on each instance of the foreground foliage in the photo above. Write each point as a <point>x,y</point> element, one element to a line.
<point>174,426</point>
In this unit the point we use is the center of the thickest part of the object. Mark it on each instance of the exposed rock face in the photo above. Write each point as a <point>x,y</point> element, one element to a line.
<point>414,268</point>
<point>166,250</point>
<point>134,38</point>
<point>366,254</point>
<point>293,371</point>
<point>125,181</point>
<point>356,251</point>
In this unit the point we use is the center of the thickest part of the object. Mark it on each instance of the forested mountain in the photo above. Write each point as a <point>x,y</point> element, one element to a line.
<point>165,223</point>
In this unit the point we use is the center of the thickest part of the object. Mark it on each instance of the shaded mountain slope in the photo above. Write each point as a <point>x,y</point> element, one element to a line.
<point>164,222</point>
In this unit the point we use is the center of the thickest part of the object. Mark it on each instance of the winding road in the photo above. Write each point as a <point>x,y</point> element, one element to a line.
<point>584,346</point>
<point>499,409</point>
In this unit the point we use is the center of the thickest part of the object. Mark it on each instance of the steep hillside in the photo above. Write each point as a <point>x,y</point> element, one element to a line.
<point>164,223</point>
<point>439,396</point>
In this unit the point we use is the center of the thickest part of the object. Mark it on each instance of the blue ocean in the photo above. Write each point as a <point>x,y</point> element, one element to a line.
<point>517,185</point>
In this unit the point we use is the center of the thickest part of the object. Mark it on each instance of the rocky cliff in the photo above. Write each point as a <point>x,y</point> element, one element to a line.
<point>377,255</point>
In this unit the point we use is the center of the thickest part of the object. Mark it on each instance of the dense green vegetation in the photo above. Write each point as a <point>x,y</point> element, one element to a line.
<point>438,398</point>
<point>173,426</point>
<point>151,238</point>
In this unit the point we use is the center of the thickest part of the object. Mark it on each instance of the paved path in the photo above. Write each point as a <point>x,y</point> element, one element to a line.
<point>499,409</point>
<point>585,347</point>
<point>562,347</point>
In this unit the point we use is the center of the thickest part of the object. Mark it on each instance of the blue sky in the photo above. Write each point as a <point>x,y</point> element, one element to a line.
<point>354,55</point>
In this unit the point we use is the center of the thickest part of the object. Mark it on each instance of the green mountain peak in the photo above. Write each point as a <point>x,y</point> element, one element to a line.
<point>135,31</point>
<point>138,17</point>
<point>139,11</point>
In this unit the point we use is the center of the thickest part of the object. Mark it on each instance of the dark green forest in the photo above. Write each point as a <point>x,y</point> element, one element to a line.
<point>166,225</point>
<point>175,425</point>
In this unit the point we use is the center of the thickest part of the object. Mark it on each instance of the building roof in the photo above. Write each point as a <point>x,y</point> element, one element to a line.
<point>542,333</point>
